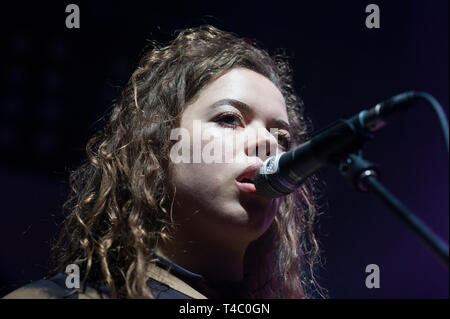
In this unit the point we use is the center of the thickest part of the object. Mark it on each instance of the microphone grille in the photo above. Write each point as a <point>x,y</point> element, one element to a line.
<point>263,186</point>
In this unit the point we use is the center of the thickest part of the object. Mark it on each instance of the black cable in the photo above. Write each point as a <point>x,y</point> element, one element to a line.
<point>439,112</point>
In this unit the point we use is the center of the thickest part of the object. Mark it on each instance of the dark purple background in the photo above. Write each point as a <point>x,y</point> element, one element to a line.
<point>56,83</point>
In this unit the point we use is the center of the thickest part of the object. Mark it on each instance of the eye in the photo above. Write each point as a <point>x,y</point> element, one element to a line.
<point>229,120</point>
<point>284,139</point>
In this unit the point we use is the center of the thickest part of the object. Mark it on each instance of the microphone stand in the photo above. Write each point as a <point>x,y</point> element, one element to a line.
<point>363,175</point>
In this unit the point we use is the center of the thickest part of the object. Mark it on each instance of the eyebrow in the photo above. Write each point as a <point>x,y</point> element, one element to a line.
<point>246,109</point>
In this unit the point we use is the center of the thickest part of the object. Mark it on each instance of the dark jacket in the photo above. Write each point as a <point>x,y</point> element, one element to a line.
<point>165,280</point>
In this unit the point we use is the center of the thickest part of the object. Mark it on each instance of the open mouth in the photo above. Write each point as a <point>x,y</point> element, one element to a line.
<point>246,180</point>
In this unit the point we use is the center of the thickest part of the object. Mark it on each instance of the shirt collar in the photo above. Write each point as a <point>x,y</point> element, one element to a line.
<point>199,282</point>
<point>177,270</point>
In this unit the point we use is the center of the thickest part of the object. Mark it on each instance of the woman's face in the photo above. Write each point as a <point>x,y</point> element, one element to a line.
<point>234,113</point>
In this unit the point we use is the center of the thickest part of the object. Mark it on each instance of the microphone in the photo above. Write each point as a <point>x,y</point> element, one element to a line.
<point>280,175</point>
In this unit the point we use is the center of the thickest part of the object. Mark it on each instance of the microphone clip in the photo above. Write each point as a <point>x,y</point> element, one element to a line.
<point>356,169</point>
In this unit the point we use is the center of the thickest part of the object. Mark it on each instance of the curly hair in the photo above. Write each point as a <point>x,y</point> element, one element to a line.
<point>119,205</point>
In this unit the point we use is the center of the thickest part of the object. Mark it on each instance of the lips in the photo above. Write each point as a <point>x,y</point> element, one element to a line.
<point>245,180</point>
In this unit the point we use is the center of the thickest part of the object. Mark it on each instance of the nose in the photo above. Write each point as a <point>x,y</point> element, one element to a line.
<point>261,143</point>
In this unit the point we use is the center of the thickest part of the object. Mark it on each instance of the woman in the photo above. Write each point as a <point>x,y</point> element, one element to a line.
<point>144,222</point>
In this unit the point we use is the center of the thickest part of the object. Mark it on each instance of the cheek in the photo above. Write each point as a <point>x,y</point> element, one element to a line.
<point>200,183</point>
<point>219,145</point>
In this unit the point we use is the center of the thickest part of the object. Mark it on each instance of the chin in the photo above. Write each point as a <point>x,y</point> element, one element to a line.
<point>253,219</point>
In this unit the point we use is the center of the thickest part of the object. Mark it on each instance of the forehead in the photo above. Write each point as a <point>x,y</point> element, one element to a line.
<point>247,86</point>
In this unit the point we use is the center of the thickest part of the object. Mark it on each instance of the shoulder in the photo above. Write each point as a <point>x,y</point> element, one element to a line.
<point>161,282</point>
<point>52,288</point>
<point>165,285</point>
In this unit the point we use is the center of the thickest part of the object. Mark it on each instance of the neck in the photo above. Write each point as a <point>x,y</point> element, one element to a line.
<point>220,261</point>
